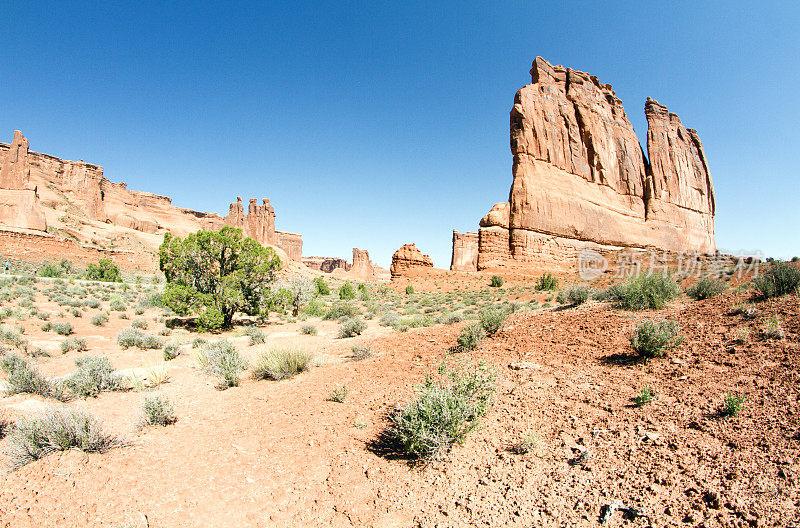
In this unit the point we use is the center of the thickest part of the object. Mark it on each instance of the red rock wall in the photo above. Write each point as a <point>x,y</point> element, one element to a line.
<point>291,243</point>
<point>408,257</point>
<point>465,252</point>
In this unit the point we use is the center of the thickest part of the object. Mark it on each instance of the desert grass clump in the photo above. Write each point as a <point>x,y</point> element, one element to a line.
<point>653,338</point>
<point>93,376</point>
<point>256,335</point>
<point>577,295</point>
<point>198,342</point>
<point>281,363</point>
<point>705,288</point>
<point>73,343</point>
<point>492,319</point>
<point>99,319</point>
<point>360,352</point>
<point>779,279</point>
<point>21,378</point>
<point>732,404</point>
<point>471,337</point>
<point>157,410</point>
<point>446,409</point>
<point>409,290</point>
<point>222,360</point>
<point>352,327</point>
<point>773,328</point>
<point>56,430</point>
<point>645,396</point>
<point>171,351</point>
<point>308,329</point>
<point>646,291</point>
<point>339,393</point>
<point>133,337</point>
<point>547,282</point>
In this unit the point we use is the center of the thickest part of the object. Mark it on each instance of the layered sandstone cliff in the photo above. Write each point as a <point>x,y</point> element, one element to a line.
<point>408,257</point>
<point>361,268</point>
<point>74,200</point>
<point>465,251</point>
<point>580,178</point>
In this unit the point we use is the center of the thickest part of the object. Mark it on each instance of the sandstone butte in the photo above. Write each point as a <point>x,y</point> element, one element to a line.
<point>47,197</point>
<point>362,267</point>
<point>407,257</point>
<point>581,180</point>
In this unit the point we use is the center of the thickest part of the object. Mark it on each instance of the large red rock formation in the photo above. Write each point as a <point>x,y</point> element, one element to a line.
<point>19,200</point>
<point>581,179</point>
<point>76,200</point>
<point>408,257</point>
<point>362,267</point>
<point>465,251</point>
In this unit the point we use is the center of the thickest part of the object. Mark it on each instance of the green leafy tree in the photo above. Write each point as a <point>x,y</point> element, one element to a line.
<point>217,274</point>
<point>104,270</point>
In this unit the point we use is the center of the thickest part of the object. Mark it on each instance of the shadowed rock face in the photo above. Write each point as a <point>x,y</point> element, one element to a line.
<point>407,257</point>
<point>580,176</point>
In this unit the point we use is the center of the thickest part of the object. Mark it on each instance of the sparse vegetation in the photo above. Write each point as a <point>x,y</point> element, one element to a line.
<point>133,337</point>
<point>256,335</point>
<point>547,282</point>
<point>496,281</point>
<point>281,363</point>
<point>780,278</point>
<point>308,329</point>
<point>645,396</point>
<point>56,430</point>
<point>732,404</point>
<point>471,337</point>
<point>773,328</point>
<point>104,270</point>
<point>347,292</point>
<point>222,360</point>
<point>492,319</point>
<point>646,291</point>
<point>360,352</point>
<point>157,410</point>
<point>352,327</point>
<point>339,393</point>
<point>705,288</point>
<point>93,376</point>
<point>653,338</point>
<point>409,290</point>
<point>171,351</point>
<point>577,295</point>
<point>21,378</point>
<point>446,409</point>
<point>73,343</point>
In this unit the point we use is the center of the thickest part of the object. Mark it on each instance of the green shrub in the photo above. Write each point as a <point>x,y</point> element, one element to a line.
<point>54,430</point>
<point>492,319</point>
<point>561,298</point>
<point>314,308</point>
<point>577,295</point>
<point>341,310</point>
<point>352,327</point>
<point>450,318</point>
<point>409,290</point>
<point>646,291</point>
<point>133,337</point>
<point>339,394</point>
<point>446,409</point>
<point>139,323</point>
<point>471,336</point>
<point>73,343</point>
<point>497,281</point>
<point>171,351</point>
<point>321,286</point>
<point>547,282</point>
<point>104,270</point>
<point>780,278</point>
<point>732,404</point>
<point>93,376</point>
<point>99,319</point>
<point>645,396</point>
<point>256,335</point>
<point>21,378</point>
<point>308,329</point>
<point>62,328</point>
<point>221,359</point>
<point>389,319</point>
<point>211,319</point>
<point>157,410</point>
<point>360,352</point>
<point>347,292</point>
<point>705,288</point>
<point>654,338</point>
<point>281,363</point>
<point>50,270</point>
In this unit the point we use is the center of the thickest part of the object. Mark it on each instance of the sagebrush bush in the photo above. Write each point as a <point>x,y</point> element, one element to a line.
<point>492,319</point>
<point>73,343</point>
<point>56,430</point>
<point>21,378</point>
<point>256,335</point>
<point>451,318</point>
<point>646,291</point>
<point>352,327</point>
<point>654,338</point>
<point>577,295</point>
<point>62,328</point>
<point>139,323</point>
<point>705,288</point>
<point>308,329</point>
<point>547,282</point>
<point>339,393</point>
<point>471,336</point>
<point>99,319</point>
<point>780,278</point>
<point>221,359</point>
<point>93,376</point>
<point>171,351</point>
<point>157,410</point>
<point>447,408</point>
<point>133,337</point>
<point>281,363</point>
<point>360,352</point>
<point>409,290</point>
<point>341,310</point>
<point>496,281</point>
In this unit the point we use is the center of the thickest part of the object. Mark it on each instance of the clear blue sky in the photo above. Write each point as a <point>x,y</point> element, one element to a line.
<point>375,124</point>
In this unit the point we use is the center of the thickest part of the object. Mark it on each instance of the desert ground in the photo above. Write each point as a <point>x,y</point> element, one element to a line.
<point>562,441</point>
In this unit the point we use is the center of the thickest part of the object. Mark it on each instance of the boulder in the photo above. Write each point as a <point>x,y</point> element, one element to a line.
<point>408,257</point>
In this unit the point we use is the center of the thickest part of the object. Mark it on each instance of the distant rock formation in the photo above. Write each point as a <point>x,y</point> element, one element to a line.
<point>582,180</point>
<point>408,257</point>
<point>362,267</point>
<point>19,200</point>
<point>77,202</point>
<point>465,251</point>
